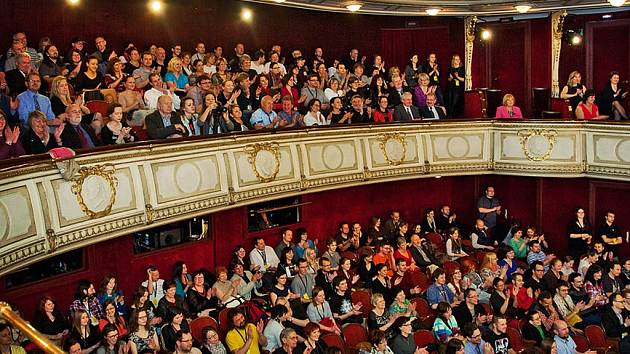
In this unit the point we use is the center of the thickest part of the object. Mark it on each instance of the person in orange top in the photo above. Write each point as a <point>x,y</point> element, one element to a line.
<point>386,256</point>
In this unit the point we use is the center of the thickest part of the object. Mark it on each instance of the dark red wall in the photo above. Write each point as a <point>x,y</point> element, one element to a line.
<point>545,202</point>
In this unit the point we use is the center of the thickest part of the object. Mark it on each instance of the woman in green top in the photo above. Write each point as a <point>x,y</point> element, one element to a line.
<point>518,243</point>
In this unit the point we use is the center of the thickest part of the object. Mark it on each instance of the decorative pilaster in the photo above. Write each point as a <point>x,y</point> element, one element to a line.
<point>470,23</point>
<point>557,21</point>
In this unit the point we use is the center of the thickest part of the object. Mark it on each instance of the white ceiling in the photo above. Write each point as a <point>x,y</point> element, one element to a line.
<point>448,7</point>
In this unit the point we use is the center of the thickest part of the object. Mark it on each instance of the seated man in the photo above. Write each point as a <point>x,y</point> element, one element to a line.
<point>445,220</point>
<point>360,114</point>
<point>286,241</point>
<point>157,90</point>
<point>184,343</point>
<point>76,135</point>
<point>311,90</point>
<point>431,111</point>
<point>402,279</point>
<point>31,100</point>
<point>536,254</point>
<point>263,256</point>
<point>480,238</point>
<point>164,123</point>
<point>344,311</point>
<point>303,282</point>
<point>439,292</point>
<point>244,337</point>
<point>16,78</point>
<point>248,281</point>
<point>265,117</point>
<point>144,71</point>
<point>86,300</point>
<point>406,111</point>
<point>616,319</point>
<point>288,117</point>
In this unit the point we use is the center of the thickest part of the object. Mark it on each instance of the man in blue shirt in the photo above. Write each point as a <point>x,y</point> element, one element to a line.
<point>30,100</point>
<point>564,342</point>
<point>265,117</point>
<point>475,344</point>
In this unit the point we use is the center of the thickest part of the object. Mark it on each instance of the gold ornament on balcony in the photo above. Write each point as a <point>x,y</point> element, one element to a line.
<point>265,160</point>
<point>95,188</point>
<point>537,144</point>
<point>394,147</point>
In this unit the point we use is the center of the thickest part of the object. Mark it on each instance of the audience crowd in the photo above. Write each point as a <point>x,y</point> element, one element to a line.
<point>468,285</point>
<point>160,93</point>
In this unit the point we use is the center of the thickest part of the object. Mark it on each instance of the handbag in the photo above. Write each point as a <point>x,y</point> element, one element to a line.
<point>574,319</point>
<point>234,301</point>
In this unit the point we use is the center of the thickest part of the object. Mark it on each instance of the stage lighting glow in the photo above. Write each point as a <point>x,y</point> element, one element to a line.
<point>486,35</point>
<point>247,15</point>
<point>432,11</point>
<point>354,6</point>
<point>156,6</point>
<point>73,2</point>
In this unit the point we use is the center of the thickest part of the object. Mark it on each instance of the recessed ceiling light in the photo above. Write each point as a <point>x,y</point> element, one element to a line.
<point>617,3</point>
<point>607,16</point>
<point>522,8</point>
<point>353,6</point>
<point>433,11</point>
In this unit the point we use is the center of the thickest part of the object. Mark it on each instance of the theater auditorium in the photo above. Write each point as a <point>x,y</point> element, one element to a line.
<point>314,176</point>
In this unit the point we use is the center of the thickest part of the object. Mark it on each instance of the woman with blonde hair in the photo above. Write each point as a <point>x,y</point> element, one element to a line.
<point>574,90</point>
<point>175,77</point>
<point>508,109</point>
<point>421,91</point>
<point>313,262</point>
<point>489,268</point>
<point>60,99</point>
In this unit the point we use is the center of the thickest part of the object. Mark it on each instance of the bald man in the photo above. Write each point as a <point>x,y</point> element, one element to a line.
<point>164,123</point>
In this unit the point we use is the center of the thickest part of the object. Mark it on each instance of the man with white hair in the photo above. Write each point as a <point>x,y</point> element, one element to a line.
<point>164,123</point>
<point>406,111</point>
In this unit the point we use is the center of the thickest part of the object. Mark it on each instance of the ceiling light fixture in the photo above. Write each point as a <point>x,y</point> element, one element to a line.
<point>247,15</point>
<point>279,1</point>
<point>607,16</point>
<point>73,2</point>
<point>433,11</point>
<point>485,35</point>
<point>353,6</point>
<point>617,3</point>
<point>522,8</point>
<point>156,6</point>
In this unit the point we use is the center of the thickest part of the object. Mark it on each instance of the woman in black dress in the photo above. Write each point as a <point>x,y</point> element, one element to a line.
<point>574,90</point>
<point>456,87</point>
<point>89,81</point>
<point>580,234</point>
<point>609,99</point>
<point>49,321</point>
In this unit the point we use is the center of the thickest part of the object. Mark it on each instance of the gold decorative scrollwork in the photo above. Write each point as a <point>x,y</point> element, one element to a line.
<point>386,137</point>
<point>106,172</point>
<point>527,134</point>
<point>253,150</point>
<point>52,240</point>
<point>150,212</point>
<point>470,24</point>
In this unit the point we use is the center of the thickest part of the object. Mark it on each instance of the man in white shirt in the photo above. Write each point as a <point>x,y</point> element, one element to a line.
<point>154,285</point>
<point>157,90</point>
<point>258,62</point>
<point>263,256</point>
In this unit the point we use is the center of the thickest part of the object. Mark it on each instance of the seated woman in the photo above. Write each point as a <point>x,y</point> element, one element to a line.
<point>303,242</point>
<point>319,312</point>
<point>190,117</point>
<point>248,282</point>
<point>382,113</point>
<point>378,339</point>
<point>455,283</point>
<point>402,252</point>
<point>379,318</point>
<point>610,98</point>
<point>438,291</point>
<point>211,342</point>
<point>288,263</point>
<point>38,138</point>
<point>428,221</point>
<point>454,249</point>
<point>183,280</point>
<point>333,90</point>
<point>489,268</point>
<point>310,254</point>
<point>83,332</point>
<point>110,341</point>
<point>175,78</point>
<point>176,322</point>
<point>232,120</point>
<point>116,131</point>
<point>289,89</point>
<point>171,299</point>
<point>115,77</point>
<point>421,91</point>
<point>593,286</point>
<point>314,117</point>
<point>112,318</point>
<point>524,296</point>
<point>142,337</point>
<point>445,325</point>
<point>141,302</point>
<point>508,109</point>
<point>587,109</point>
<point>199,298</point>
<point>131,100</point>
<point>49,321</point>
<point>534,330</point>
<point>381,283</point>
<point>226,290</point>
<point>574,90</point>
<point>507,259</point>
<point>312,341</point>
<point>60,99</point>
<point>365,267</point>
<point>518,243</point>
<point>402,306</point>
<point>503,302</point>
<point>281,289</point>
<point>345,271</point>
<point>89,82</point>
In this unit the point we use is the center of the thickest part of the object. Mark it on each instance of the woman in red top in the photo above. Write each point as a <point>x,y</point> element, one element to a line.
<point>403,253</point>
<point>382,114</point>
<point>587,109</point>
<point>289,89</point>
